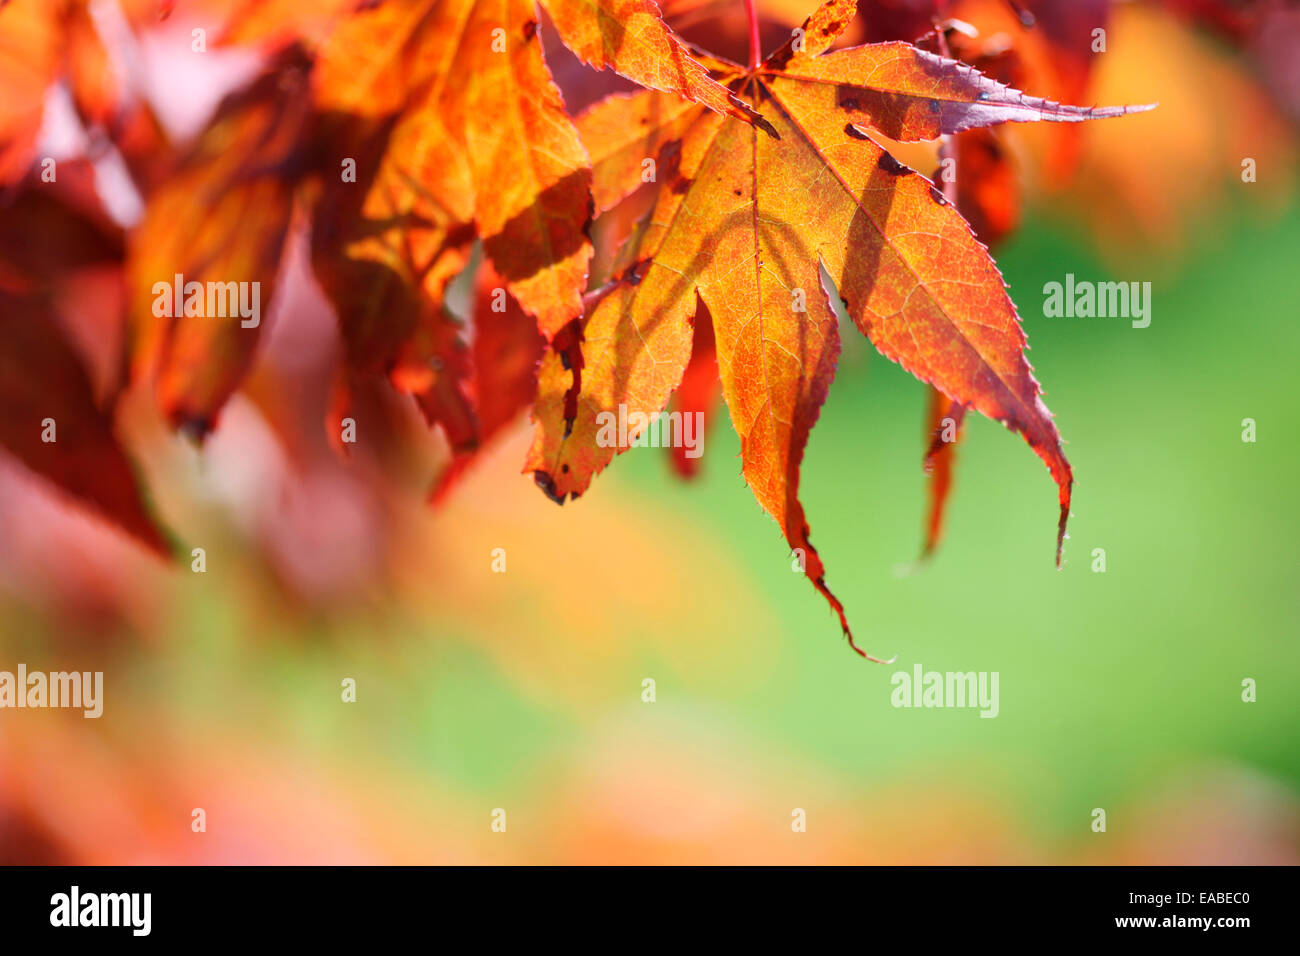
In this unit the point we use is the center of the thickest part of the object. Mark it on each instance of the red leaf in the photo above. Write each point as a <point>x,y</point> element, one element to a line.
<point>43,385</point>
<point>699,392</point>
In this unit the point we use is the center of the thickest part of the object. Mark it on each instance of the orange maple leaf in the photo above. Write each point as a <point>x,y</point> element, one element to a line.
<point>746,222</point>
<point>500,148</point>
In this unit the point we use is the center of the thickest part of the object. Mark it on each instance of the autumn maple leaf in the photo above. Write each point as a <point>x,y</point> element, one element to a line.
<point>746,217</point>
<point>425,125</point>
<point>492,142</point>
<point>474,142</point>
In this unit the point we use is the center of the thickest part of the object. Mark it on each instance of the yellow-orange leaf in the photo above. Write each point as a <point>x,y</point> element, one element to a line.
<point>214,232</point>
<point>747,221</point>
<point>532,178</point>
<point>630,38</point>
<point>500,149</point>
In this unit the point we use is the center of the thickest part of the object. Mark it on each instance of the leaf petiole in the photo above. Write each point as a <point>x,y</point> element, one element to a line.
<point>751,10</point>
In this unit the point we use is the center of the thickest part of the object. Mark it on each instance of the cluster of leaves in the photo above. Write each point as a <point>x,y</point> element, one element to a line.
<point>406,134</point>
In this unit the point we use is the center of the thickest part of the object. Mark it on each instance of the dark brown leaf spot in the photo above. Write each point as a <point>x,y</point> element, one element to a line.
<point>669,160</point>
<point>782,57</point>
<point>591,217</point>
<point>854,131</point>
<point>547,484</point>
<point>635,272</point>
<point>193,426</point>
<point>893,167</point>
